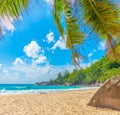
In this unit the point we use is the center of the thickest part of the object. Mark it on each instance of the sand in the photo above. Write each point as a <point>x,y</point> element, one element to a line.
<point>56,103</point>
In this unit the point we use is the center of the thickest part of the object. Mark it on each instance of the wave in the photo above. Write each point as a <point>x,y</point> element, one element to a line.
<point>30,91</point>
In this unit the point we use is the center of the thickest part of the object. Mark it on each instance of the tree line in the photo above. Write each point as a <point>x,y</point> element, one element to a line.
<point>98,72</point>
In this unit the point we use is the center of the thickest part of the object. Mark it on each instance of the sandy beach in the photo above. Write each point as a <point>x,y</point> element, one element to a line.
<point>56,103</point>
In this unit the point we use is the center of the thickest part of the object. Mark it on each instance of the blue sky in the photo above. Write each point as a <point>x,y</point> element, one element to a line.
<point>32,49</point>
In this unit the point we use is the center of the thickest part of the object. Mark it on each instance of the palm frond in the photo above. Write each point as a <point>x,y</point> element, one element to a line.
<point>11,9</point>
<point>58,11</point>
<point>103,18</point>
<point>74,36</point>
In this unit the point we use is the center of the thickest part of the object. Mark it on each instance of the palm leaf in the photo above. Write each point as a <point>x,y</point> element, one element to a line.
<point>57,11</point>
<point>74,36</point>
<point>11,9</point>
<point>103,18</point>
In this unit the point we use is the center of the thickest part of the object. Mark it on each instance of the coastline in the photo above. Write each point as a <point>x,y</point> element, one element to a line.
<point>55,103</point>
<point>33,89</point>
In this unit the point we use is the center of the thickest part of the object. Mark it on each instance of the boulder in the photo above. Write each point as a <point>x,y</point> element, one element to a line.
<point>108,95</point>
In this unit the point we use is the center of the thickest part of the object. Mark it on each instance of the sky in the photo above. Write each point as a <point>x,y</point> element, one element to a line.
<point>33,51</point>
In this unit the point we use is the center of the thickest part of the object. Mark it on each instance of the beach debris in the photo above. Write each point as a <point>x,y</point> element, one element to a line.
<point>108,95</point>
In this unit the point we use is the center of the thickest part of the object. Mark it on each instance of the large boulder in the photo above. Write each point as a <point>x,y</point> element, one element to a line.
<point>108,95</point>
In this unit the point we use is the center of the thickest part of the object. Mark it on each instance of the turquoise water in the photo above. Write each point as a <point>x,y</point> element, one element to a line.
<point>31,88</point>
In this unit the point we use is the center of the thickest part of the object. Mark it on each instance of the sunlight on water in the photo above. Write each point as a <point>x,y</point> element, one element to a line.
<point>30,88</point>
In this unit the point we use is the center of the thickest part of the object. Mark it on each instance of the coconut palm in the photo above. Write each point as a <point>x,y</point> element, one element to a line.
<point>101,15</point>
<point>11,9</point>
<point>104,19</point>
<point>74,36</point>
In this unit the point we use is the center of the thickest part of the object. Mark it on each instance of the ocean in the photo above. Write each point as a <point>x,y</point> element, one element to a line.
<point>32,88</point>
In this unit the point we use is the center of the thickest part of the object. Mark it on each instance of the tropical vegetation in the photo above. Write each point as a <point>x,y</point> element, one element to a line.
<point>98,72</point>
<point>11,9</point>
<point>101,16</point>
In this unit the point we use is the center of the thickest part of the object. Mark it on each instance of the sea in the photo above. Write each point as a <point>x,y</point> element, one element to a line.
<point>32,88</point>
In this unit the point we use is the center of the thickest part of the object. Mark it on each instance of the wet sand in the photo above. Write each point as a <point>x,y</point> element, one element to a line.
<point>55,103</point>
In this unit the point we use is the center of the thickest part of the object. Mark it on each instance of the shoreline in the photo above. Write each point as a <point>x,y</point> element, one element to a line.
<point>39,91</point>
<point>57,103</point>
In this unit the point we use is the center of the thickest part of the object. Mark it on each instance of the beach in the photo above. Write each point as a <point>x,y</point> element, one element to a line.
<point>54,103</point>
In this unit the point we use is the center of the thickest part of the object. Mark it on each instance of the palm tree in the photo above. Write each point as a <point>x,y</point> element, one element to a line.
<point>101,15</point>
<point>11,9</point>
<point>74,35</point>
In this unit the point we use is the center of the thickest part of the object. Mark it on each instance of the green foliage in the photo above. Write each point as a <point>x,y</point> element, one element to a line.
<point>73,33</point>
<point>74,36</point>
<point>58,10</point>
<point>11,9</point>
<point>99,71</point>
<point>102,16</point>
<point>61,78</point>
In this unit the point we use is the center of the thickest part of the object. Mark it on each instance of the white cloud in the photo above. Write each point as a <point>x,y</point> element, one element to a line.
<point>5,71</point>
<point>59,44</point>
<point>7,23</point>
<point>94,50</point>
<point>31,73</point>
<point>32,49</point>
<point>41,59</point>
<point>49,2</point>
<point>15,73</point>
<point>1,65</point>
<point>50,37</point>
<point>102,45</point>
<point>18,61</point>
<point>90,54</point>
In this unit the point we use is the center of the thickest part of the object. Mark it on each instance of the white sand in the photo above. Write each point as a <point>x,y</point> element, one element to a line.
<point>57,103</point>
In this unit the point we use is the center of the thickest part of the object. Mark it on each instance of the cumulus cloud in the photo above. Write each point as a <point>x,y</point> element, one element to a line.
<point>32,49</point>
<point>94,50</point>
<point>41,59</point>
<point>7,23</point>
<point>49,2</point>
<point>18,61</point>
<point>50,37</point>
<point>1,65</point>
<point>90,54</point>
<point>102,45</point>
<point>5,71</point>
<point>59,44</point>
<point>31,73</point>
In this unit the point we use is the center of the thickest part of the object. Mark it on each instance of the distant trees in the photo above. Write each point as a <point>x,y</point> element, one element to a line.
<point>61,78</point>
<point>97,72</point>
<point>114,65</point>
